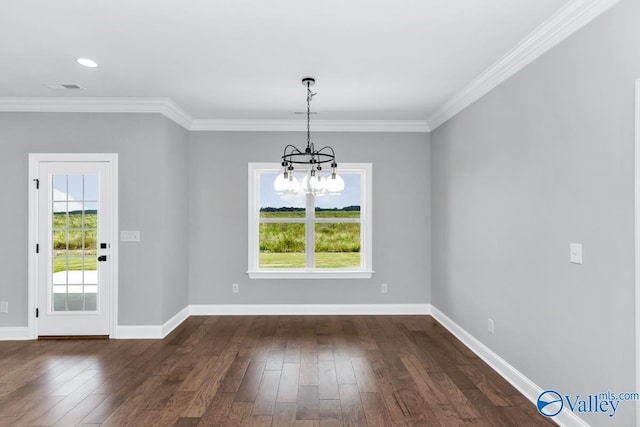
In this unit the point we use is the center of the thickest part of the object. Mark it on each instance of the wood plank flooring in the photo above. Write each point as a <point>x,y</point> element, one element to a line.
<point>261,371</point>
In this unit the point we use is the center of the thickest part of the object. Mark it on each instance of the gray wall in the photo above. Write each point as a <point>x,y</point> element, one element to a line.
<point>218,219</point>
<point>152,173</point>
<point>174,178</point>
<point>543,160</point>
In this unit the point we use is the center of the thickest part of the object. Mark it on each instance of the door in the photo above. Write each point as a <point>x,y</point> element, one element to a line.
<point>74,236</point>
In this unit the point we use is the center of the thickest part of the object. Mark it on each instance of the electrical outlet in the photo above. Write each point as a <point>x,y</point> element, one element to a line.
<point>575,253</point>
<point>490,326</point>
<point>383,288</point>
<point>4,306</point>
<point>236,288</point>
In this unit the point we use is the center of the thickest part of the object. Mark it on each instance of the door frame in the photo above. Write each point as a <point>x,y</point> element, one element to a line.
<point>32,295</point>
<point>637,238</point>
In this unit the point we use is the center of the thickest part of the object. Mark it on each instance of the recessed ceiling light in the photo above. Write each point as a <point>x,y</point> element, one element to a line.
<point>87,62</point>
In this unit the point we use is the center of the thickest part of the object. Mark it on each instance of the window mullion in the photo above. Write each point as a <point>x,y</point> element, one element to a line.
<point>310,213</point>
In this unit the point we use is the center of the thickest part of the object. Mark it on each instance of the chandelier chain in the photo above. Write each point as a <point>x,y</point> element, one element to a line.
<point>309,95</point>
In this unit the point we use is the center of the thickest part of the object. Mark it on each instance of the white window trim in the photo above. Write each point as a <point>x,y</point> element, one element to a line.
<point>365,271</point>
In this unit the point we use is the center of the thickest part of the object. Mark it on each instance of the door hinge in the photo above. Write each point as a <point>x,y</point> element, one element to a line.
<point>37,248</point>
<point>37,312</point>
<point>37,181</point>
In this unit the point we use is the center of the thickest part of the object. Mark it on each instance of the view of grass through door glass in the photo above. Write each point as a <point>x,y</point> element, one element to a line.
<point>335,223</point>
<point>74,242</point>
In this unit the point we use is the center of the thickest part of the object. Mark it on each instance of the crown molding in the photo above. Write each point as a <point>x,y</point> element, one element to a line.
<point>173,111</point>
<point>164,106</point>
<point>318,125</point>
<point>566,21</point>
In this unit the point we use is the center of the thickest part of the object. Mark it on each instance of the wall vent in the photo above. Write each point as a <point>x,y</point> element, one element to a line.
<point>63,86</point>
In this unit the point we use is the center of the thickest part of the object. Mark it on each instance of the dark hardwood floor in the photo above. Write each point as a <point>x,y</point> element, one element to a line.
<point>261,371</point>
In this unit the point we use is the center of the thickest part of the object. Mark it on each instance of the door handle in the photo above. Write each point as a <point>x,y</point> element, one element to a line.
<point>102,258</point>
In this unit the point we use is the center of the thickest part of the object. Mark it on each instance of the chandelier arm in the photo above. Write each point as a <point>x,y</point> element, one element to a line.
<point>331,156</point>
<point>328,147</point>
<point>294,150</point>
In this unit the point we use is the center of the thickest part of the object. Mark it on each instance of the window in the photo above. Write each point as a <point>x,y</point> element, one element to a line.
<point>307,236</point>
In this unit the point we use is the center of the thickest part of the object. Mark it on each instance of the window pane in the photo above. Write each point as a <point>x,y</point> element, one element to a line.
<point>90,271</point>
<point>349,212</point>
<point>337,245</point>
<point>90,187</point>
<point>74,189</point>
<point>90,214</point>
<point>75,271</point>
<point>59,187</point>
<point>60,301</point>
<point>274,205</point>
<point>282,212</point>
<point>74,301</point>
<point>90,301</point>
<point>59,215</point>
<point>75,238</point>
<point>59,275</point>
<point>90,242</point>
<point>59,240</point>
<point>345,204</point>
<point>282,245</point>
<point>75,219</point>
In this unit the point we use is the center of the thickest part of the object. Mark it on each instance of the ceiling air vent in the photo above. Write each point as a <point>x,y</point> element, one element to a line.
<point>63,86</point>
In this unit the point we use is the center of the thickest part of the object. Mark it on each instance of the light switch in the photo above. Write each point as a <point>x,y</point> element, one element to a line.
<point>575,250</point>
<point>129,236</point>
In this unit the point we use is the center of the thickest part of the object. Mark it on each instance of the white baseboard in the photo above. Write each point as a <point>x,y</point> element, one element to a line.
<point>138,332</point>
<point>14,333</point>
<point>524,385</point>
<point>310,309</point>
<point>151,331</point>
<point>161,331</point>
<point>175,321</point>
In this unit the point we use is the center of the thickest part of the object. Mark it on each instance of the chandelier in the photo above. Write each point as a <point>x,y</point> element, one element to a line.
<point>313,182</point>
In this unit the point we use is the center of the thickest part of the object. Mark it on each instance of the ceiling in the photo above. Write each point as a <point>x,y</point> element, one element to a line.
<point>244,59</point>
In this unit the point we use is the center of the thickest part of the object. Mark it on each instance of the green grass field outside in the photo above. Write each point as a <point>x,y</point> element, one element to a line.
<point>282,245</point>
<point>297,260</point>
<point>337,245</point>
<point>75,264</point>
<point>74,235</point>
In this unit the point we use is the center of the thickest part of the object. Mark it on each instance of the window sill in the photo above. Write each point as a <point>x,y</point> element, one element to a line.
<point>301,274</point>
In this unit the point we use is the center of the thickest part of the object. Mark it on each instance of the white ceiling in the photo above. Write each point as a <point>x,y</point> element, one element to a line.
<point>243,59</point>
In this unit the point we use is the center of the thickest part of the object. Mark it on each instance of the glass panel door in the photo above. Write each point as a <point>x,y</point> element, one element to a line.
<point>75,226</point>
